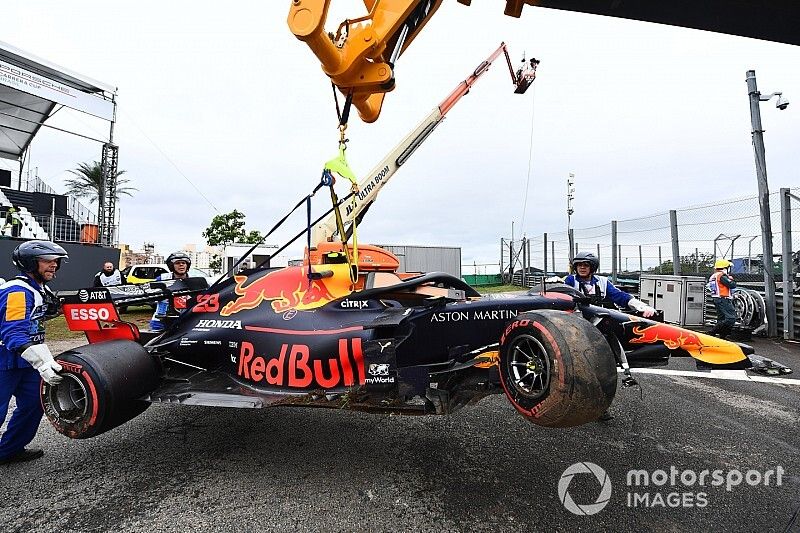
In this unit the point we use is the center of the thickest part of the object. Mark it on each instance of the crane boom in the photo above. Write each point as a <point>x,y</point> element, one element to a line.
<point>378,177</point>
<point>360,58</point>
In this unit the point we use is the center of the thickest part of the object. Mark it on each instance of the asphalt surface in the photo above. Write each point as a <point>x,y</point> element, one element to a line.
<point>484,468</point>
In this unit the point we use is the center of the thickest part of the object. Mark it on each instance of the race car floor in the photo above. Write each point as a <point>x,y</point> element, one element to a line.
<point>484,468</point>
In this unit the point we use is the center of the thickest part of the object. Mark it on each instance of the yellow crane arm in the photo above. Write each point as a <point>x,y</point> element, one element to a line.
<point>360,57</point>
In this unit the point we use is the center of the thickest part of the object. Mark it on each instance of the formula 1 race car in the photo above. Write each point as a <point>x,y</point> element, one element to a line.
<point>300,336</point>
<point>346,330</point>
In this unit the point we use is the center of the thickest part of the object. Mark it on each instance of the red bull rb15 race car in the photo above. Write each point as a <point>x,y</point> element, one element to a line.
<point>311,336</point>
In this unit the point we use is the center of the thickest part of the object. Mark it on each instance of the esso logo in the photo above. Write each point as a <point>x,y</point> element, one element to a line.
<point>90,314</point>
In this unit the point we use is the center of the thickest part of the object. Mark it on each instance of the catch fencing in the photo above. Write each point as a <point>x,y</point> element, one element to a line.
<point>683,241</point>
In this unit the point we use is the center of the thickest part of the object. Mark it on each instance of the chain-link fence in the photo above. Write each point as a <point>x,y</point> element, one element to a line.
<point>693,237</point>
<point>700,235</point>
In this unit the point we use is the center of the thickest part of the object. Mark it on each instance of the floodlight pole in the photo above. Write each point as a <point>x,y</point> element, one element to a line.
<point>763,202</point>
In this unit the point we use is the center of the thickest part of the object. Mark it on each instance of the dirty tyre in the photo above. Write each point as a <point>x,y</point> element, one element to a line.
<point>101,387</point>
<point>556,368</point>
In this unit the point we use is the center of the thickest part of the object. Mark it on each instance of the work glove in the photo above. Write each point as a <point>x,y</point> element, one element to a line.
<point>40,358</point>
<point>642,307</point>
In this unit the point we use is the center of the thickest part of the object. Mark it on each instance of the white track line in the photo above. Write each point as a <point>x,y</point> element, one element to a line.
<point>733,375</point>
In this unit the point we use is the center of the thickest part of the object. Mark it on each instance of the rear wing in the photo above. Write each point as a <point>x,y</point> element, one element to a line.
<point>94,311</point>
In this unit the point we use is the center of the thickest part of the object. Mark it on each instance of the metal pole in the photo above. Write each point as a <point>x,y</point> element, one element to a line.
<point>598,254</point>
<point>763,202</point>
<point>659,259</point>
<point>614,251</point>
<point>676,256</point>
<point>524,251</point>
<point>53,220</point>
<point>750,254</point>
<point>640,259</point>
<point>502,255</point>
<point>511,262</point>
<point>571,238</point>
<point>786,239</point>
<point>697,260</point>
<point>530,260</point>
<point>545,254</point>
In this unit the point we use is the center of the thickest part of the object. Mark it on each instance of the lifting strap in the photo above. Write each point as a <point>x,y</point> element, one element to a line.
<point>340,166</point>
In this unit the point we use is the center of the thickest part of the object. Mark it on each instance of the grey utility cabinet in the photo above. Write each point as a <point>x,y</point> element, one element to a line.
<point>681,298</point>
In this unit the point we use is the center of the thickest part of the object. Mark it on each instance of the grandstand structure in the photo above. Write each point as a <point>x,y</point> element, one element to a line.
<point>45,214</point>
<point>31,91</point>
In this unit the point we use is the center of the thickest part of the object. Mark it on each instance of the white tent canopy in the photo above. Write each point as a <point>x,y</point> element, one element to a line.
<point>30,90</point>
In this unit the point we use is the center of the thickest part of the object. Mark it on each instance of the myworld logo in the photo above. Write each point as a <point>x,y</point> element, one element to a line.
<point>602,498</point>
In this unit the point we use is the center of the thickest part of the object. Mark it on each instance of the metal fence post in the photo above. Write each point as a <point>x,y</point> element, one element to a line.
<point>511,262</point>
<point>524,251</point>
<point>598,254</point>
<point>571,237</point>
<point>640,259</point>
<point>676,256</point>
<point>614,251</point>
<point>502,255</point>
<point>530,258</point>
<point>545,253</point>
<point>786,239</point>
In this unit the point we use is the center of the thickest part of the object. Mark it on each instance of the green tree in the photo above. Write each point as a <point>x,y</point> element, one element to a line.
<point>228,228</point>
<point>253,237</point>
<point>225,229</point>
<point>88,182</point>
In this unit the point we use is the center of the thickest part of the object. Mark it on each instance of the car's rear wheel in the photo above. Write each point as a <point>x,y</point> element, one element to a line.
<point>557,369</point>
<point>101,387</point>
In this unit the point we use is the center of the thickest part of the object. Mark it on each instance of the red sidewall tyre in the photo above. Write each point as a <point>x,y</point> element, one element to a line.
<point>556,368</point>
<point>101,388</point>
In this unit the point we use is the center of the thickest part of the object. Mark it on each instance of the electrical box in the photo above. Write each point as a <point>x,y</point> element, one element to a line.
<point>681,298</point>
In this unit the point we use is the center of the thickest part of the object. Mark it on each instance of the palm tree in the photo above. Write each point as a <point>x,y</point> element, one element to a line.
<point>88,182</point>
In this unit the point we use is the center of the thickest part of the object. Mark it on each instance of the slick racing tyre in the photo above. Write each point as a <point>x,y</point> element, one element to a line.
<point>556,368</point>
<point>101,387</point>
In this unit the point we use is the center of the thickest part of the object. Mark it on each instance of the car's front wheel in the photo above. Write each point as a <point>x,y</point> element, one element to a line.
<point>556,368</point>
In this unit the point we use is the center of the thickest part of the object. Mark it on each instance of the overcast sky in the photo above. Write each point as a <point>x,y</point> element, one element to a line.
<point>648,117</point>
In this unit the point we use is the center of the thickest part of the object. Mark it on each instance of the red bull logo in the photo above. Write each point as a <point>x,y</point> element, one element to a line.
<point>289,288</point>
<point>699,345</point>
<point>672,337</point>
<point>296,368</point>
